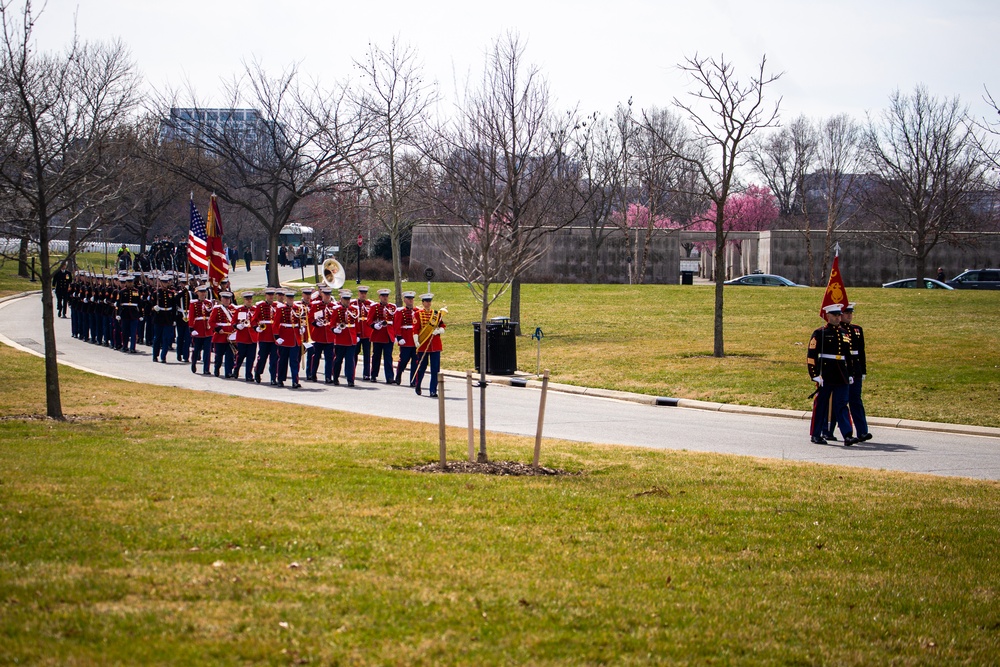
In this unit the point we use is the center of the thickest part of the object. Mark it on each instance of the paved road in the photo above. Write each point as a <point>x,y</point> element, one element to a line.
<point>568,416</point>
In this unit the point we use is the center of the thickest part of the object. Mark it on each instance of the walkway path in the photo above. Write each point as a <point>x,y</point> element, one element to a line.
<point>571,416</point>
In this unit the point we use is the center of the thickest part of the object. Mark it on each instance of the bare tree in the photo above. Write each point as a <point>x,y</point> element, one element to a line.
<point>58,120</point>
<point>396,100</point>
<point>152,192</point>
<point>783,159</point>
<point>515,111</point>
<point>833,186</point>
<point>735,112</point>
<point>924,154</point>
<point>596,153</point>
<point>500,166</point>
<point>273,144</point>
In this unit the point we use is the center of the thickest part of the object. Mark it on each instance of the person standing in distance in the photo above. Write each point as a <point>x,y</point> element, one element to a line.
<point>830,366</point>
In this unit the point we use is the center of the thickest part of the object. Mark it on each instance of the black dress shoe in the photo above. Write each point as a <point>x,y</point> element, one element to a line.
<point>350,384</point>
<point>328,382</point>
<point>205,373</point>
<point>865,438</point>
<point>296,385</point>
<point>416,388</point>
<point>831,438</point>
<point>848,441</point>
<point>194,368</point>
<point>155,360</point>
<point>256,378</point>
<point>816,440</point>
<point>433,394</point>
<point>274,383</point>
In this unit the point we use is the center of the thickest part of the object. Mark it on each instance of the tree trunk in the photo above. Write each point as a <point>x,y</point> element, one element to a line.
<point>272,265</point>
<point>482,457</point>
<point>53,400</point>
<point>22,257</point>
<point>515,305</point>
<point>720,277</point>
<point>397,265</point>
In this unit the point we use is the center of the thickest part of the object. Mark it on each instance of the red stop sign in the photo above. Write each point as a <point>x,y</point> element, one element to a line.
<point>361,241</point>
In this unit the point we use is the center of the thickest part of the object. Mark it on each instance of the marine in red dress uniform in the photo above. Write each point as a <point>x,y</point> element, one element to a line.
<point>287,330</point>
<point>201,334</point>
<point>404,328</point>
<point>379,322</point>
<point>345,338</point>
<point>246,338</point>
<point>261,321</point>
<point>222,322</point>
<point>429,346</point>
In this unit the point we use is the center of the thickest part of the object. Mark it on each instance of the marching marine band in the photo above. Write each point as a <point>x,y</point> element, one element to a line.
<point>169,310</point>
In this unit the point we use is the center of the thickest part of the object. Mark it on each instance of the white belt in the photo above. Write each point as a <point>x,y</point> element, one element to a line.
<point>406,327</point>
<point>289,325</point>
<point>200,318</point>
<point>134,305</point>
<point>854,352</point>
<point>831,356</point>
<point>265,322</point>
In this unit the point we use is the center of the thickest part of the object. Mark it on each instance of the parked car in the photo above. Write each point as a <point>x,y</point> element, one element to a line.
<point>928,283</point>
<point>762,279</point>
<point>977,279</point>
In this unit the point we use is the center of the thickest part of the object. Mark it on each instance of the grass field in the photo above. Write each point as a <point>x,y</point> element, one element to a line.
<point>165,526</point>
<point>933,355</point>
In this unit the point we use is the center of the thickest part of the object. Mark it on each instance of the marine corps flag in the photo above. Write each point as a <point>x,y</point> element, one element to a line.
<point>218,263</point>
<point>835,290</point>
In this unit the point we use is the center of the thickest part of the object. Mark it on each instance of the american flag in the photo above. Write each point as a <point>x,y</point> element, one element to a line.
<point>198,240</point>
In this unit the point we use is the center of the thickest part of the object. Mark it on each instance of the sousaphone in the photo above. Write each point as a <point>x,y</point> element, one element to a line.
<point>333,274</point>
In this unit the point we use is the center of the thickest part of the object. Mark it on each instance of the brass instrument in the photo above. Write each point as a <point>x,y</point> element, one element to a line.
<point>333,274</point>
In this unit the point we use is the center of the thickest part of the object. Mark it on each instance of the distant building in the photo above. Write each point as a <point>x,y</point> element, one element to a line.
<point>209,126</point>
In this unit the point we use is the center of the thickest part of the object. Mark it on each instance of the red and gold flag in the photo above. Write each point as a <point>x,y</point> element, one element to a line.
<point>835,290</point>
<point>218,263</point>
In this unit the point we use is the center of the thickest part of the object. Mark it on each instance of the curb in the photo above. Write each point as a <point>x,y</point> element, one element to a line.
<point>692,404</point>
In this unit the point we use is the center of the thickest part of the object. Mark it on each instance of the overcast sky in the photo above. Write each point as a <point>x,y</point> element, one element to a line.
<point>837,56</point>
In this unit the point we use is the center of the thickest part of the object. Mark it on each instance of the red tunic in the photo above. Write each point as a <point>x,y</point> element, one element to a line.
<point>262,319</point>
<point>319,313</point>
<point>222,322</point>
<point>429,343</point>
<point>286,326</point>
<point>363,306</point>
<point>244,330</point>
<point>381,312</point>
<point>198,313</point>
<point>405,326</point>
<point>346,320</point>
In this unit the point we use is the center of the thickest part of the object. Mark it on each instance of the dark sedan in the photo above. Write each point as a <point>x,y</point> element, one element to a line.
<point>926,283</point>
<point>763,280</point>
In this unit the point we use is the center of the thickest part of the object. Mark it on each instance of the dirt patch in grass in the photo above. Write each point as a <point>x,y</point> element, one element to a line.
<point>72,419</point>
<point>500,468</point>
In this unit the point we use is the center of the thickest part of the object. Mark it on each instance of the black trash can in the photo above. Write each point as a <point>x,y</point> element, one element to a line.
<point>687,277</point>
<point>501,346</point>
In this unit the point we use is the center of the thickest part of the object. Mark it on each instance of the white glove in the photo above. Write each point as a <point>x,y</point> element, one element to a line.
<point>438,331</point>
<point>279,341</point>
<point>302,330</point>
<point>818,380</point>
<point>157,308</point>
<point>232,336</point>
<point>850,380</point>
<point>863,377</point>
<point>118,317</point>
<point>338,330</point>
<point>241,326</point>
<point>379,325</point>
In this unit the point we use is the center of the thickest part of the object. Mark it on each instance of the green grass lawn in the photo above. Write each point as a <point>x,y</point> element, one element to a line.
<point>171,527</point>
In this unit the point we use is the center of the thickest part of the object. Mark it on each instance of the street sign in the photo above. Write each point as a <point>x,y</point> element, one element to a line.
<point>429,273</point>
<point>361,240</point>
